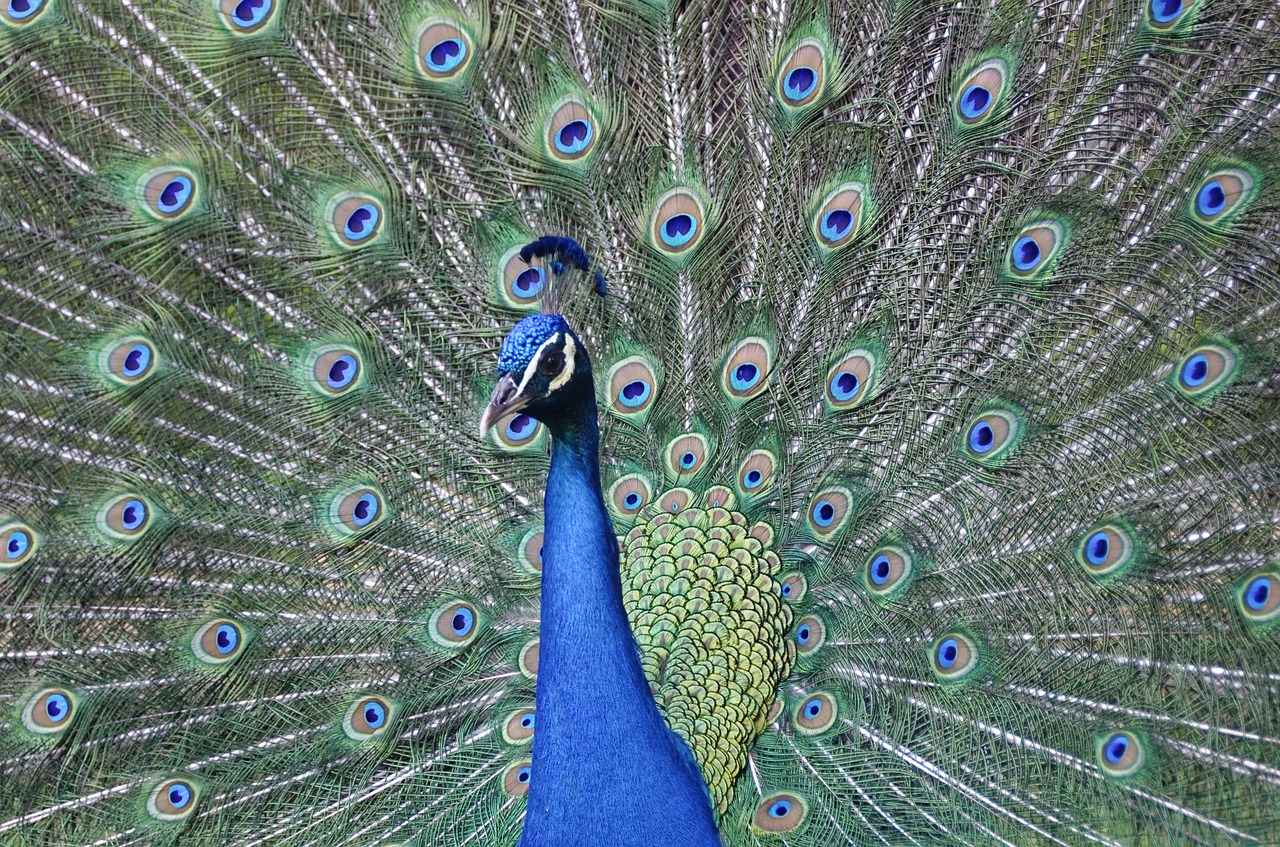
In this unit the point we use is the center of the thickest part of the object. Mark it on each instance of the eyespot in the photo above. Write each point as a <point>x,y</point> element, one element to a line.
<point>718,497</point>
<point>953,656</point>
<point>779,813</point>
<point>336,370</point>
<point>519,725</point>
<point>850,380</point>
<point>815,714</point>
<point>49,711</point>
<point>19,544</point>
<point>746,368</point>
<point>1165,14</point>
<point>529,659</point>
<point>1221,195</point>
<point>633,386</point>
<point>678,222</point>
<point>356,510</point>
<point>686,454</point>
<point>22,12</point>
<point>802,74</point>
<point>517,431</point>
<point>810,634</point>
<point>1107,551</point>
<point>172,800</point>
<point>793,587</point>
<point>1204,370</point>
<point>839,215</point>
<point>218,641</point>
<point>455,624</point>
<point>981,92</point>
<point>530,551</point>
<point>1120,754</point>
<point>367,717</point>
<point>355,220</point>
<point>888,571</point>
<point>991,435</point>
<point>675,501</point>
<point>515,779</point>
<point>571,132</point>
<point>1035,249</point>
<point>629,495</point>
<point>519,283</point>
<point>829,510</point>
<point>444,50</point>
<point>169,193</point>
<point>125,517</point>
<point>1258,598</point>
<point>755,474</point>
<point>247,16</point>
<point>128,361</point>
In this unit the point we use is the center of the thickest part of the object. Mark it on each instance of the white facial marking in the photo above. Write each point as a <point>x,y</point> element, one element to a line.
<point>532,368</point>
<point>567,371</point>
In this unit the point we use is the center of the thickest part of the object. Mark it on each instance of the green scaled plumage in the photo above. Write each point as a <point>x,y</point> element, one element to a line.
<point>940,426</point>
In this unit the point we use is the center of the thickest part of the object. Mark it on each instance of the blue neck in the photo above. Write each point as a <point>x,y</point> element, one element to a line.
<point>606,770</point>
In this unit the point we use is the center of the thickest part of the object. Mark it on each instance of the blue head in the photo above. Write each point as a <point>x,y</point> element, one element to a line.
<point>543,371</point>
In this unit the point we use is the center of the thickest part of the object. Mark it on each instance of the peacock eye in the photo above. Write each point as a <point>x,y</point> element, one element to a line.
<point>551,363</point>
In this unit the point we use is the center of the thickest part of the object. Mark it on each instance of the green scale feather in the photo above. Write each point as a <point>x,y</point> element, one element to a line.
<point>977,543</point>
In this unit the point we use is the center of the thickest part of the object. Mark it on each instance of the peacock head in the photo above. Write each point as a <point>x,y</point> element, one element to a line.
<point>543,371</point>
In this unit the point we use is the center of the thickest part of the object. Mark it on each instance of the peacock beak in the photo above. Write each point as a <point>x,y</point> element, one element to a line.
<point>503,401</point>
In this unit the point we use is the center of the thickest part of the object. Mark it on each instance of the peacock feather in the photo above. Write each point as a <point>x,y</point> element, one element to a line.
<point>913,482</point>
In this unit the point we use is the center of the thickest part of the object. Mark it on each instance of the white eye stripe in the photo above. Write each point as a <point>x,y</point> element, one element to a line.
<point>567,371</point>
<point>532,368</point>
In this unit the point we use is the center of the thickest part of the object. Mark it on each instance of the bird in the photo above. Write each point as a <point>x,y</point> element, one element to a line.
<point>640,422</point>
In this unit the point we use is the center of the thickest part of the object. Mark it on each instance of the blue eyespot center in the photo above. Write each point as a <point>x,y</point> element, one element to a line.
<point>527,720</point>
<point>635,393</point>
<point>446,55</point>
<point>362,223</point>
<point>574,136</point>
<point>1116,747</point>
<point>974,101</point>
<point>802,634</point>
<point>745,376</point>
<point>824,513</point>
<point>137,360</point>
<point>880,569</point>
<point>679,229</point>
<point>948,651</point>
<point>19,542</point>
<point>179,795</point>
<point>365,509</point>
<point>226,638</point>
<point>1096,548</point>
<point>521,427</point>
<point>813,708</point>
<point>250,13</point>
<point>1164,11</point>
<point>56,707</point>
<point>1195,370</point>
<point>1212,199</point>
<point>632,500</point>
<point>523,774</point>
<point>1257,593</point>
<point>799,83</point>
<point>981,437</point>
<point>463,622</point>
<point>836,224</point>
<point>174,195</point>
<point>133,514</point>
<point>844,386</point>
<point>786,589</point>
<point>19,9</point>
<point>780,809</point>
<point>374,714</point>
<point>753,478</point>
<point>1026,253</point>
<point>529,282</point>
<point>342,372</point>
<point>687,460</point>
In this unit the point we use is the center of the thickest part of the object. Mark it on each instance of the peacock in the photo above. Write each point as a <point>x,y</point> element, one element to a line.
<point>640,422</point>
